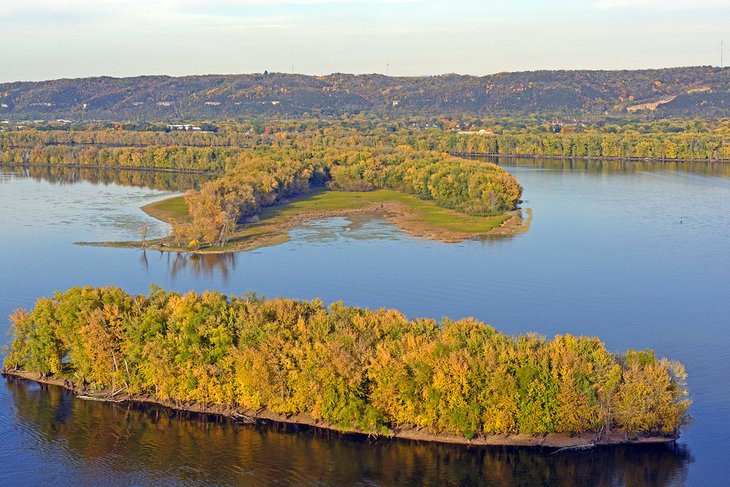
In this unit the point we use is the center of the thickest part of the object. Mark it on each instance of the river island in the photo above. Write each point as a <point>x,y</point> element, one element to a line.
<point>347,369</point>
<point>267,193</point>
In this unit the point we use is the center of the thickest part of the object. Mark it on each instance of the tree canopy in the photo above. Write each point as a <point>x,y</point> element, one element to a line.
<point>368,370</point>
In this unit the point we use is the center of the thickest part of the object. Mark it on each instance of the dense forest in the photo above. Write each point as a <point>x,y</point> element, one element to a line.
<point>155,146</point>
<point>686,92</point>
<point>358,369</point>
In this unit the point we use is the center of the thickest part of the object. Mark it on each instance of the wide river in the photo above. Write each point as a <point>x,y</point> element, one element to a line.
<point>637,254</point>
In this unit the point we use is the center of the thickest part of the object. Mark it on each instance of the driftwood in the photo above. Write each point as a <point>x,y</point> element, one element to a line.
<point>587,446</point>
<point>92,398</point>
<point>242,418</point>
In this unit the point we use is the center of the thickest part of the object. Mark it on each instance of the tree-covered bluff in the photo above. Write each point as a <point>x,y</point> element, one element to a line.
<point>699,91</point>
<point>372,371</point>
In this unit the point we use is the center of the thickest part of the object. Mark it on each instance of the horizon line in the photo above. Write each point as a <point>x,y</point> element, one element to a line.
<point>64,78</point>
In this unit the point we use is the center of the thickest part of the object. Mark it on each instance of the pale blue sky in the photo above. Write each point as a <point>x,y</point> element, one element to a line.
<point>45,39</point>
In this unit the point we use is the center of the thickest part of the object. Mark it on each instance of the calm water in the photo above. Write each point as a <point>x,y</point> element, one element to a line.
<point>635,254</point>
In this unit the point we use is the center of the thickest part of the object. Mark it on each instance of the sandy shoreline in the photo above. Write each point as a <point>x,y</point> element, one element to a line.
<point>551,440</point>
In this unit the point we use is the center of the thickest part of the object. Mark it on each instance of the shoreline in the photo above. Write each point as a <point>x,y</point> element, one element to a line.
<point>558,441</point>
<point>276,232</point>
<point>465,155</point>
<point>478,155</point>
<point>112,168</point>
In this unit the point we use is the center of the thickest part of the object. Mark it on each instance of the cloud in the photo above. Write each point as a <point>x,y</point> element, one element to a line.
<point>41,13</point>
<point>75,6</point>
<point>245,3</point>
<point>661,4</point>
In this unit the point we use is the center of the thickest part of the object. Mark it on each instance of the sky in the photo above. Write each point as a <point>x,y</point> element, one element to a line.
<point>49,39</point>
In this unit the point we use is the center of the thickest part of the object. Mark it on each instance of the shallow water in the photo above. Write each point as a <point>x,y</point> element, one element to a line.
<point>635,254</point>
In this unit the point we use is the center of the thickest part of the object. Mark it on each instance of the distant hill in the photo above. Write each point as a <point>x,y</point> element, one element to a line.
<point>687,92</point>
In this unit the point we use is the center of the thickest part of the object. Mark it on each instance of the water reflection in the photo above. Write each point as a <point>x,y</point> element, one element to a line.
<point>141,445</point>
<point>199,265</point>
<point>321,233</point>
<point>324,231</point>
<point>602,166</point>
<point>166,181</point>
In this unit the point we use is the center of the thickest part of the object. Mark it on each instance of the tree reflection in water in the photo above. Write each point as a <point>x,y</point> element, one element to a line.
<point>201,265</point>
<point>142,444</point>
<point>614,166</point>
<point>160,180</point>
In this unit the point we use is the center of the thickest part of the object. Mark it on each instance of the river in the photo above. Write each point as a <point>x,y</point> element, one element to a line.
<point>636,254</point>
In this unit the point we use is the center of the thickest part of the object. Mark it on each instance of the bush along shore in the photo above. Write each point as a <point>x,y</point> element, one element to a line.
<point>347,369</point>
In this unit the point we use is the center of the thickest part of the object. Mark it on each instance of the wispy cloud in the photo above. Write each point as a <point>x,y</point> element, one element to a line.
<point>166,12</point>
<point>123,37</point>
<point>243,3</point>
<point>76,6</point>
<point>662,4</point>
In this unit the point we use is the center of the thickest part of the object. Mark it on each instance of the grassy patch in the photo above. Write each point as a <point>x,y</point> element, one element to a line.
<point>409,212</point>
<point>170,210</point>
<point>416,210</point>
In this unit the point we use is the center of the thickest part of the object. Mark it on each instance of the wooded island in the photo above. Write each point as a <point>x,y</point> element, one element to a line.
<point>347,369</point>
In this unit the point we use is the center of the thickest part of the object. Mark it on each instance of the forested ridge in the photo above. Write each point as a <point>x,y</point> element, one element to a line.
<point>357,369</point>
<point>655,93</point>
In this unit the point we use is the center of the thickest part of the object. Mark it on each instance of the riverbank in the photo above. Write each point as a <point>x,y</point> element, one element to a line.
<point>480,155</point>
<point>416,217</point>
<point>109,168</point>
<point>550,440</point>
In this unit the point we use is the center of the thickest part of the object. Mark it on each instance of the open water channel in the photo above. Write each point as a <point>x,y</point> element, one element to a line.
<point>637,254</point>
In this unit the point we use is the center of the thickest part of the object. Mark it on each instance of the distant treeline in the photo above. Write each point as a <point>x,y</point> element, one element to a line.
<point>180,158</point>
<point>597,145</point>
<point>186,150</point>
<point>355,368</point>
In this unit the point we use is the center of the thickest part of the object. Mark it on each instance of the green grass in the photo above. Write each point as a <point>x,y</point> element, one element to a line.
<point>424,211</point>
<point>170,209</point>
<point>412,214</point>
